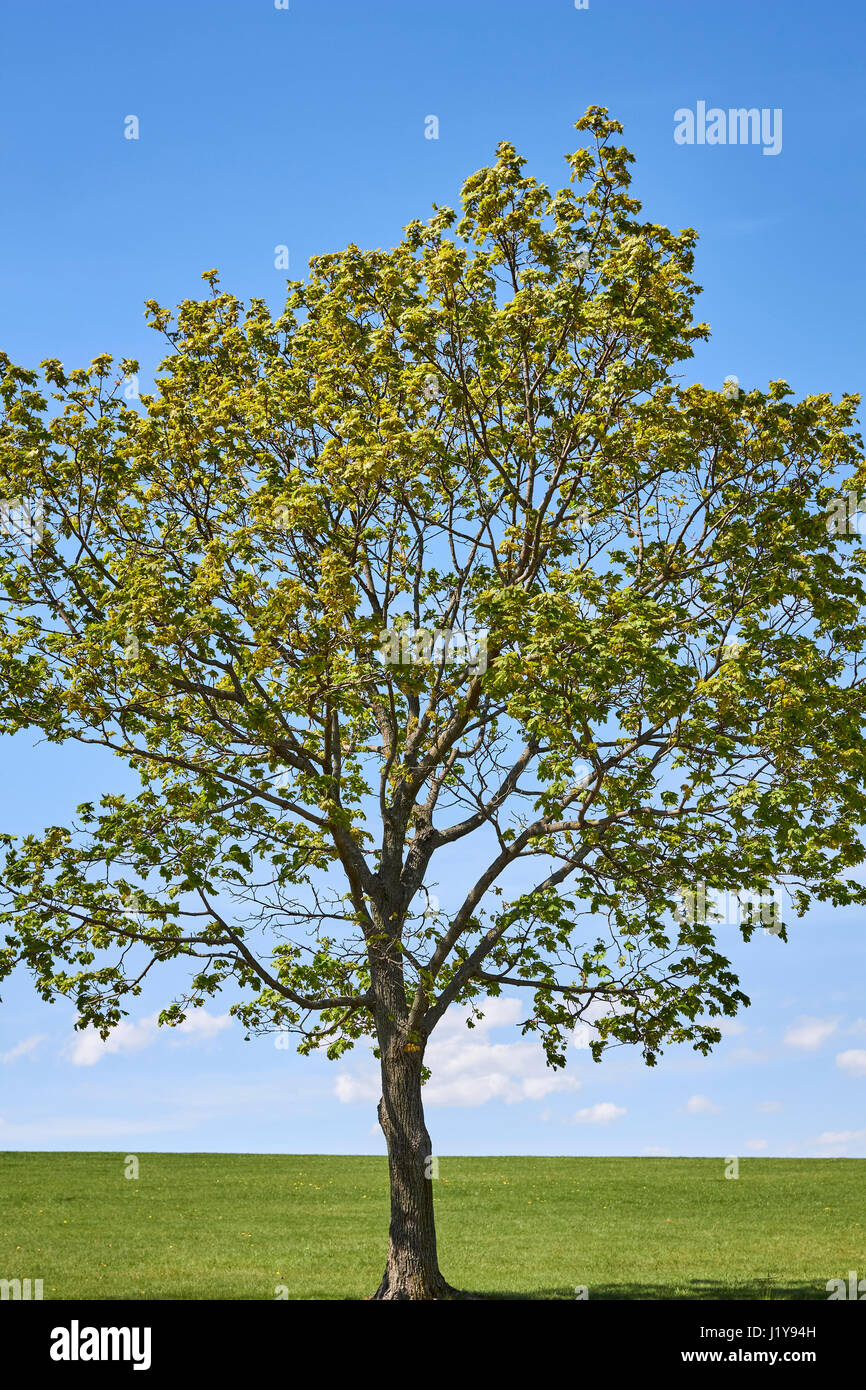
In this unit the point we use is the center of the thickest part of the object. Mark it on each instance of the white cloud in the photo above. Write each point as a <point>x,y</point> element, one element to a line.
<point>809,1033</point>
<point>583,1032</point>
<point>756,1143</point>
<point>198,1024</point>
<point>770,1107</point>
<point>853,1061</point>
<point>728,1027</point>
<point>469,1072</point>
<point>501,1012</point>
<point>468,1068</point>
<point>652,1152</point>
<point>38,1131</point>
<point>601,1114</point>
<point>842,1136</point>
<point>702,1105</point>
<point>349,1087</point>
<point>747,1056</point>
<point>86,1048</point>
<point>24,1048</point>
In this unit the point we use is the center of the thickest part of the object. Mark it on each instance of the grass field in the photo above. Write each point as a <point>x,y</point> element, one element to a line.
<point>236,1226</point>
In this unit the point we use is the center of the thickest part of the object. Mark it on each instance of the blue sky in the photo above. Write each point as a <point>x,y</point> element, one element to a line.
<point>305,128</point>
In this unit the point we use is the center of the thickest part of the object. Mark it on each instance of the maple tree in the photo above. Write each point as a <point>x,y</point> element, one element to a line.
<point>479,431</point>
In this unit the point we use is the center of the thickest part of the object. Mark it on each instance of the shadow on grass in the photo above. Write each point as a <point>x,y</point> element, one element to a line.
<point>697,1290</point>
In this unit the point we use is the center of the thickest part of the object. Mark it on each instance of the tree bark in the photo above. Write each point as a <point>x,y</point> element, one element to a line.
<point>412,1269</point>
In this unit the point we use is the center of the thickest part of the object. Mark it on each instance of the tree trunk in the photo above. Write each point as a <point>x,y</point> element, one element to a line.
<point>412,1270</point>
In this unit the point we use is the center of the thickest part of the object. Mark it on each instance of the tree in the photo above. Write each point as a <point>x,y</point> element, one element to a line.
<point>443,551</point>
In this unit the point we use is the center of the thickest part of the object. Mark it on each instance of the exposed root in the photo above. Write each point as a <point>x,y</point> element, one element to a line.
<point>415,1289</point>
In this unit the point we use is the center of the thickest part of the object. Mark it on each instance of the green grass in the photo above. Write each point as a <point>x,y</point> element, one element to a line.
<point>234,1226</point>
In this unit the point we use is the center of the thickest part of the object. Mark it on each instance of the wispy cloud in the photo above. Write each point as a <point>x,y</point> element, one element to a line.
<point>702,1105</point>
<point>87,1048</point>
<point>809,1033</point>
<point>747,1056</point>
<point>24,1048</point>
<point>728,1027</point>
<point>73,1127</point>
<point>842,1136</point>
